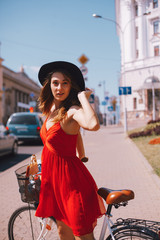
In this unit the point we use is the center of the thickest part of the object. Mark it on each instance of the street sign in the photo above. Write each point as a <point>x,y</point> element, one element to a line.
<point>125,90</point>
<point>110,108</point>
<point>104,103</point>
<point>91,98</point>
<point>32,94</point>
<point>83,59</point>
<point>32,103</point>
<point>84,70</point>
<point>23,105</point>
<point>107,98</point>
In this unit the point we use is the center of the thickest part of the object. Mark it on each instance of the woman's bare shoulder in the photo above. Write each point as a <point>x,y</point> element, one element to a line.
<point>68,124</point>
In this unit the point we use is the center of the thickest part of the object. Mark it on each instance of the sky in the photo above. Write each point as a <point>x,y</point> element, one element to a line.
<point>35,32</point>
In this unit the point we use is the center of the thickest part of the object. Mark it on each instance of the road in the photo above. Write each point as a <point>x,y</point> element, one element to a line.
<point>24,151</point>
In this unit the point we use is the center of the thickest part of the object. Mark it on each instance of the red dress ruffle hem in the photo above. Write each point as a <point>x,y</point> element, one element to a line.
<point>68,191</point>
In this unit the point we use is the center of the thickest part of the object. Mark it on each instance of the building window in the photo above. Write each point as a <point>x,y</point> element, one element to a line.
<point>137,53</point>
<point>136,32</point>
<point>155,3</point>
<point>156,27</point>
<point>156,51</point>
<point>134,103</point>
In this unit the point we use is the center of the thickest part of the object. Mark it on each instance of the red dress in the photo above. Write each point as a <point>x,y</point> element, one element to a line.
<point>68,191</point>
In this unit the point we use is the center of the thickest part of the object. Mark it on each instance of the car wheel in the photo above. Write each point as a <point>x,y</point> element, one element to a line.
<point>15,148</point>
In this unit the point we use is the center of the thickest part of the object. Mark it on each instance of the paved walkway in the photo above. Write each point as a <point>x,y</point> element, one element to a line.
<point>114,162</point>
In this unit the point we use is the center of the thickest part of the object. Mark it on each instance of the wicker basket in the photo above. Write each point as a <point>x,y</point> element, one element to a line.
<point>28,193</point>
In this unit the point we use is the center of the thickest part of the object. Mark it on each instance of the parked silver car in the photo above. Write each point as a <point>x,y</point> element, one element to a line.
<point>8,142</point>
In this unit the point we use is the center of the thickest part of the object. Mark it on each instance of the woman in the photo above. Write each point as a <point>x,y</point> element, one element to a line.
<point>68,191</point>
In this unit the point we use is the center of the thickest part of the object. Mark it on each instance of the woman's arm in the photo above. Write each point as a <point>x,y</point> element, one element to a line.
<point>80,146</point>
<point>86,116</point>
<point>80,149</point>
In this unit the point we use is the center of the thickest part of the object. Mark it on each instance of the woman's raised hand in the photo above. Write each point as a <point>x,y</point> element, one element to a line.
<point>87,93</point>
<point>85,115</point>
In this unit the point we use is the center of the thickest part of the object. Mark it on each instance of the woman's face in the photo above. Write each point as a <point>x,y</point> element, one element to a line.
<point>60,86</point>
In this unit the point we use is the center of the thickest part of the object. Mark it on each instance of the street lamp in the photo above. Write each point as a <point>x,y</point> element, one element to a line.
<point>122,55</point>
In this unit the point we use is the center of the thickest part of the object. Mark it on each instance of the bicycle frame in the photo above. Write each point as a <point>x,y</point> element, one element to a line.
<point>122,227</point>
<point>46,226</point>
<point>107,222</point>
<point>142,225</point>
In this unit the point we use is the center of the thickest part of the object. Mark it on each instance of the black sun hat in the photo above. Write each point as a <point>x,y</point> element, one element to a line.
<point>73,70</point>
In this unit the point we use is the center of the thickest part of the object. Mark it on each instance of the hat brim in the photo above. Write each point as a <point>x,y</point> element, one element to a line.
<point>73,70</point>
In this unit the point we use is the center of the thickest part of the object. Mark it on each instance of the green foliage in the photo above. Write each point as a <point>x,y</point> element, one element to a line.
<point>142,136</point>
<point>150,152</point>
<point>150,129</point>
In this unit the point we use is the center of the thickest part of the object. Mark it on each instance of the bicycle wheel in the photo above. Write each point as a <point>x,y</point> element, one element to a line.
<point>133,233</point>
<point>24,225</point>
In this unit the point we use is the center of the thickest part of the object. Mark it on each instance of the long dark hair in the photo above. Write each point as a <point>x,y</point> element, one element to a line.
<point>46,97</point>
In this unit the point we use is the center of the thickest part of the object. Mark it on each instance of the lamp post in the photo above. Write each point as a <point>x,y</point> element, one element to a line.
<point>104,94</point>
<point>122,55</point>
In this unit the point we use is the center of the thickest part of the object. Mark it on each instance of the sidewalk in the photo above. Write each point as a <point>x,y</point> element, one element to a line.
<point>114,162</point>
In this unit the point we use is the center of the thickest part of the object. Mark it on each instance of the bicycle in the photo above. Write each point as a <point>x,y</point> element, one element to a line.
<point>24,225</point>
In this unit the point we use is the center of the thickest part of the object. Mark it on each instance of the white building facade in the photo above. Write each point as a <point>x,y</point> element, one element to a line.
<point>138,28</point>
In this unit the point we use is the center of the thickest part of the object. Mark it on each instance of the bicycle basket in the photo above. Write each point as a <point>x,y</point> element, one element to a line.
<point>28,193</point>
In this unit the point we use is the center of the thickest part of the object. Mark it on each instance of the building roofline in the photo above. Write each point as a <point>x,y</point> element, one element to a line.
<point>20,77</point>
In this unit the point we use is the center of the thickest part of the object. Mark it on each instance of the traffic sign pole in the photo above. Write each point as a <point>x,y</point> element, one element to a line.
<point>83,60</point>
<point>125,91</point>
<point>84,70</point>
<point>125,119</point>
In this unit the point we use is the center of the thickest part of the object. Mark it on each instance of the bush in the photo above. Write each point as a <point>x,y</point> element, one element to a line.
<point>157,130</point>
<point>141,134</point>
<point>152,128</point>
<point>154,121</point>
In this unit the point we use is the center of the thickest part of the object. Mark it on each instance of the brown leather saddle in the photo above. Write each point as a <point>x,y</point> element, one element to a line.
<point>115,196</point>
